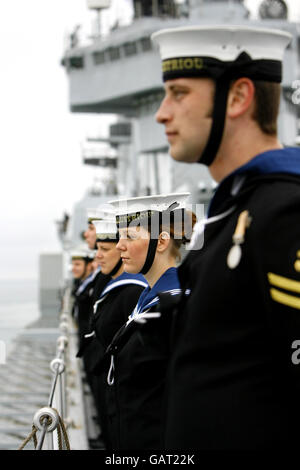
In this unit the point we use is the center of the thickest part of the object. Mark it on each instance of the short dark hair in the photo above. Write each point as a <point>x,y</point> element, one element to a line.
<point>267,101</point>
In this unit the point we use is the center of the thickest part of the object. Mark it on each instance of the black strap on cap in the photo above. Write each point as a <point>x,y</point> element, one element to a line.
<point>218,122</point>
<point>154,221</point>
<point>150,255</point>
<point>116,268</point>
<point>243,66</point>
<point>154,241</point>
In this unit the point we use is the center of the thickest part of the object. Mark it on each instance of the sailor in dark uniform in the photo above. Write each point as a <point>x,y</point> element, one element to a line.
<point>233,382</point>
<point>96,284</point>
<point>151,231</point>
<point>95,214</point>
<point>112,307</point>
<point>96,287</point>
<point>84,273</point>
<point>82,267</point>
<point>84,262</point>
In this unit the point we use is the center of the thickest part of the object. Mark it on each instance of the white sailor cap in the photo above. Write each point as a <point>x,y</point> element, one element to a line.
<point>144,207</point>
<point>99,213</point>
<point>82,252</point>
<point>106,230</point>
<point>195,51</point>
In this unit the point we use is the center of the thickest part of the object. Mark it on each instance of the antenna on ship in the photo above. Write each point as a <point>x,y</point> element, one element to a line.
<point>98,6</point>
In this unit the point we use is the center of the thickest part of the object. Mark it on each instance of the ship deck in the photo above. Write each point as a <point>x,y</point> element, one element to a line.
<point>25,383</point>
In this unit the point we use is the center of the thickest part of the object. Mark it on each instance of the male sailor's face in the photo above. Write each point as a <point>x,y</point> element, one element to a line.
<point>90,236</point>
<point>186,112</point>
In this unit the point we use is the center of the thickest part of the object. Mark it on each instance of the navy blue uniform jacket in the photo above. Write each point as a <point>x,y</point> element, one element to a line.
<point>233,382</point>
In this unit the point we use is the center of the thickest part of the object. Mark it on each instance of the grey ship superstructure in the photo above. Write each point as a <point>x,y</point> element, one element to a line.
<point>120,73</point>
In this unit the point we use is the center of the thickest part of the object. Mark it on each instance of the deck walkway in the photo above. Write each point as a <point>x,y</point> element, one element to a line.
<point>25,384</point>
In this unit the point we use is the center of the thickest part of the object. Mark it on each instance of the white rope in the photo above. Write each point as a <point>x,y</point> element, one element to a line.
<point>110,377</point>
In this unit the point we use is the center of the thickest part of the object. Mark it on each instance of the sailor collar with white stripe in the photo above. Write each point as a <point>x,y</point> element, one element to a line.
<point>272,162</point>
<point>277,161</point>
<point>122,280</point>
<point>87,281</point>
<point>168,282</point>
<point>197,239</point>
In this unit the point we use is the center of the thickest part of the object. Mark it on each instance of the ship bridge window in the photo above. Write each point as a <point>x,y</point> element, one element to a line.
<point>114,53</point>
<point>130,48</point>
<point>99,57</point>
<point>76,62</point>
<point>155,8</point>
<point>146,44</point>
<point>122,129</point>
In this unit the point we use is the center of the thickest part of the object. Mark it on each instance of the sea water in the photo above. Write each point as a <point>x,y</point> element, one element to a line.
<point>18,308</point>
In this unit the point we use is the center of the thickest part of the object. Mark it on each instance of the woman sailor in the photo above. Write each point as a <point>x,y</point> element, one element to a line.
<point>114,304</point>
<point>151,231</point>
<point>93,290</point>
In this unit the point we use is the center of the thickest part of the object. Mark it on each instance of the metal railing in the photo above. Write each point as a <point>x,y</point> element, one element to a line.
<point>52,418</point>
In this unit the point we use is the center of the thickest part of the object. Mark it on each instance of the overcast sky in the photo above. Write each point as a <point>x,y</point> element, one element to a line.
<point>41,171</point>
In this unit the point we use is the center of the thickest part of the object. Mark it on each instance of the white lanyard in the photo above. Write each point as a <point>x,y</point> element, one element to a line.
<point>138,310</point>
<point>140,318</point>
<point>197,239</point>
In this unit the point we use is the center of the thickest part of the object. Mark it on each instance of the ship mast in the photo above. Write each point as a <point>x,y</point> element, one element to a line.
<point>98,6</point>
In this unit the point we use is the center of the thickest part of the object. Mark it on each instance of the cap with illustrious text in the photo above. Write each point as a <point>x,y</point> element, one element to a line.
<point>150,212</point>
<point>106,230</point>
<point>223,53</point>
<point>99,213</point>
<point>208,50</point>
<point>82,252</point>
<point>144,207</point>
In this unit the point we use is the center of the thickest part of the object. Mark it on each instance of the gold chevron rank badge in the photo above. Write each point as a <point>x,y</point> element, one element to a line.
<point>285,290</point>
